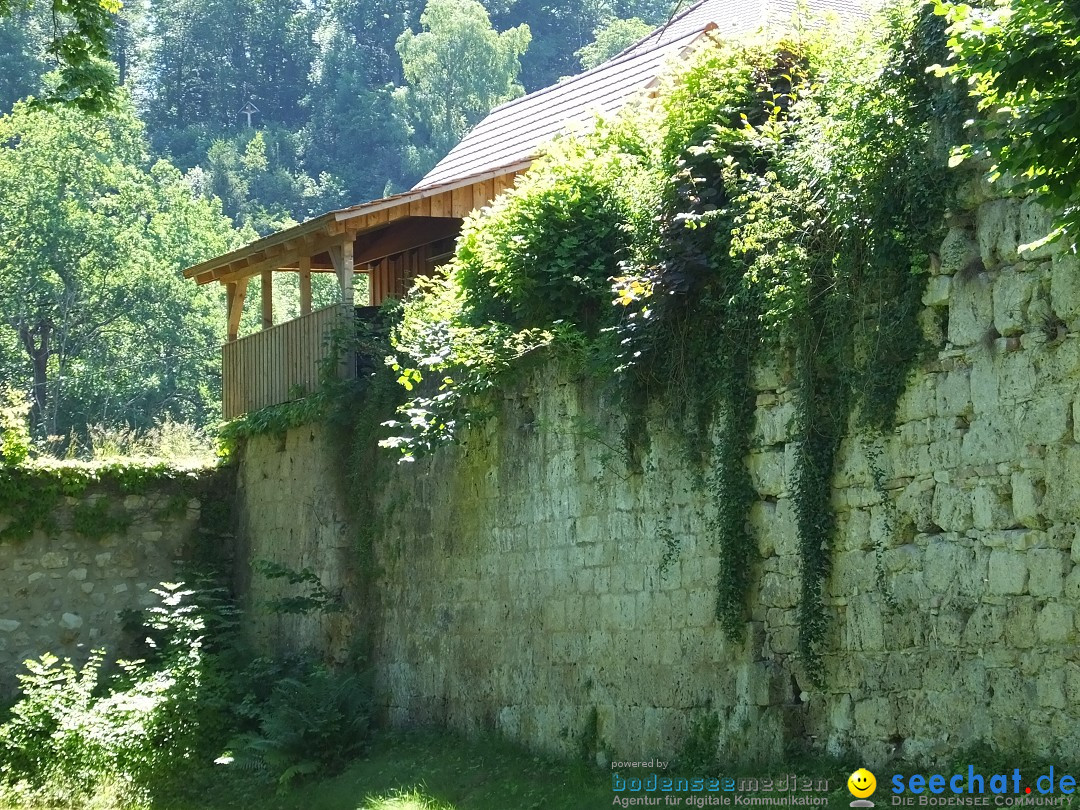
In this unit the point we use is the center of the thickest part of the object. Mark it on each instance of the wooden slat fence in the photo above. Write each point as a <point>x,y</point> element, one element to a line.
<point>265,368</point>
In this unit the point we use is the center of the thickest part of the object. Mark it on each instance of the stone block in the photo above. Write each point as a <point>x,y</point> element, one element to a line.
<point>1043,421</point>
<point>864,627</point>
<point>767,472</point>
<point>958,251</point>
<point>1065,288</point>
<point>951,509</point>
<point>991,508</point>
<point>1046,572</point>
<point>1028,492</point>
<point>985,626</point>
<point>54,559</point>
<point>937,289</point>
<point>1050,688</point>
<point>947,565</point>
<point>1036,224</point>
<point>1061,501</point>
<point>1007,572</point>
<point>874,718</point>
<point>1012,294</point>
<point>9,625</point>
<point>1019,624</point>
<point>985,385</point>
<point>1054,624</point>
<point>71,621</point>
<point>997,231</point>
<point>971,311</point>
<point>953,392</point>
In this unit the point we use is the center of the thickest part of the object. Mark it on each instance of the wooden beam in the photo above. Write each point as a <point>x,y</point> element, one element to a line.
<point>305,285</point>
<point>234,303</point>
<point>267,299</point>
<point>309,249</point>
<point>405,236</point>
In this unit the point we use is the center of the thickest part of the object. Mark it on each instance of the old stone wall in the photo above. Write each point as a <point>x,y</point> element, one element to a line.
<point>529,578</point>
<point>290,513</point>
<point>66,593</point>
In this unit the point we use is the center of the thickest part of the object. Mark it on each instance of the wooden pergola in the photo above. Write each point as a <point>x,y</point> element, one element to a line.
<point>392,241</point>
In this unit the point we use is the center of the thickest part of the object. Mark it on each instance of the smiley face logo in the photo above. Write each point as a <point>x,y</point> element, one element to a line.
<point>861,783</point>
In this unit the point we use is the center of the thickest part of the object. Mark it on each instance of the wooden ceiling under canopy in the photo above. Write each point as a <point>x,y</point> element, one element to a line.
<point>372,238</point>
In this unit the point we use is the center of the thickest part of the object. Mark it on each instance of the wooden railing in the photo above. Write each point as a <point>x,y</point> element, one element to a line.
<point>269,367</point>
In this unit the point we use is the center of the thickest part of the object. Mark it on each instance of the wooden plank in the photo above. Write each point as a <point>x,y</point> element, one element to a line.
<point>502,183</point>
<point>461,201</point>
<point>305,285</point>
<point>377,218</point>
<point>439,204</point>
<point>267,299</point>
<point>483,193</point>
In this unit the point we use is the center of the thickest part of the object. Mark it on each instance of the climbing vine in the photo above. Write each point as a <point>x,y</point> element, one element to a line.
<point>777,204</point>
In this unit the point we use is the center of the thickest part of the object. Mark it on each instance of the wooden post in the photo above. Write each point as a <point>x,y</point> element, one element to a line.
<point>235,291</point>
<point>345,273</point>
<point>305,285</point>
<point>267,299</point>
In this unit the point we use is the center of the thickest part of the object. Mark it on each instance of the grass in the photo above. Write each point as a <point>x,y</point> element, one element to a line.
<point>440,771</point>
<point>431,771</point>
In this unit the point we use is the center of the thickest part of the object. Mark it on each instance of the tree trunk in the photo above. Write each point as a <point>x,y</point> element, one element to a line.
<point>36,342</point>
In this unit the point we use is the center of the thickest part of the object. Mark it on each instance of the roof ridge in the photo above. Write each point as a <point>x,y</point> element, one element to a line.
<point>657,32</point>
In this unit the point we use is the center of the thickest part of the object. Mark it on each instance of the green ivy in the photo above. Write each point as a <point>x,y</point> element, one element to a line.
<point>784,201</point>
<point>1020,61</point>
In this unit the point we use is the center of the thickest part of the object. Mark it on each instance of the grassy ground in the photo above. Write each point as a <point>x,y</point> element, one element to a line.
<point>444,772</point>
<point>435,772</point>
<point>439,771</point>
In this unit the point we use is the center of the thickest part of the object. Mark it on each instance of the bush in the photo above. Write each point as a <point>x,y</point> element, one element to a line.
<point>546,250</point>
<point>14,427</point>
<point>73,734</point>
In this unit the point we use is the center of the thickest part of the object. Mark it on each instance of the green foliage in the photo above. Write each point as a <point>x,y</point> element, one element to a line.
<point>14,427</point>
<point>79,46</point>
<point>1019,60</point>
<point>316,598</point>
<point>457,69</point>
<point>30,493</point>
<point>546,249</point>
<point>97,323</point>
<point>74,733</point>
<point>312,722</point>
<point>777,206</point>
<point>612,37</point>
<point>700,749</point>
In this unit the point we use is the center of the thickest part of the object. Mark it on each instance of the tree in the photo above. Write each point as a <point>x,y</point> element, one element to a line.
<point>612,37</point>
<point>90,286</point>
<point>457,69</point>
<point>80,48</point>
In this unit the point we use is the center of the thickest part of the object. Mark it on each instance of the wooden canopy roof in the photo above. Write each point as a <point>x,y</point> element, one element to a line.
<point>376,229</point>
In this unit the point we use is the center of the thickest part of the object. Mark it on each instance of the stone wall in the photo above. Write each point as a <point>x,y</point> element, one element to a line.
<point>65,593</point>
<point>290,513</point>
<point>527,577</point>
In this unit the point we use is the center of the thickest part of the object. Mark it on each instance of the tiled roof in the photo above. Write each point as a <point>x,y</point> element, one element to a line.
<point>514,131</point>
